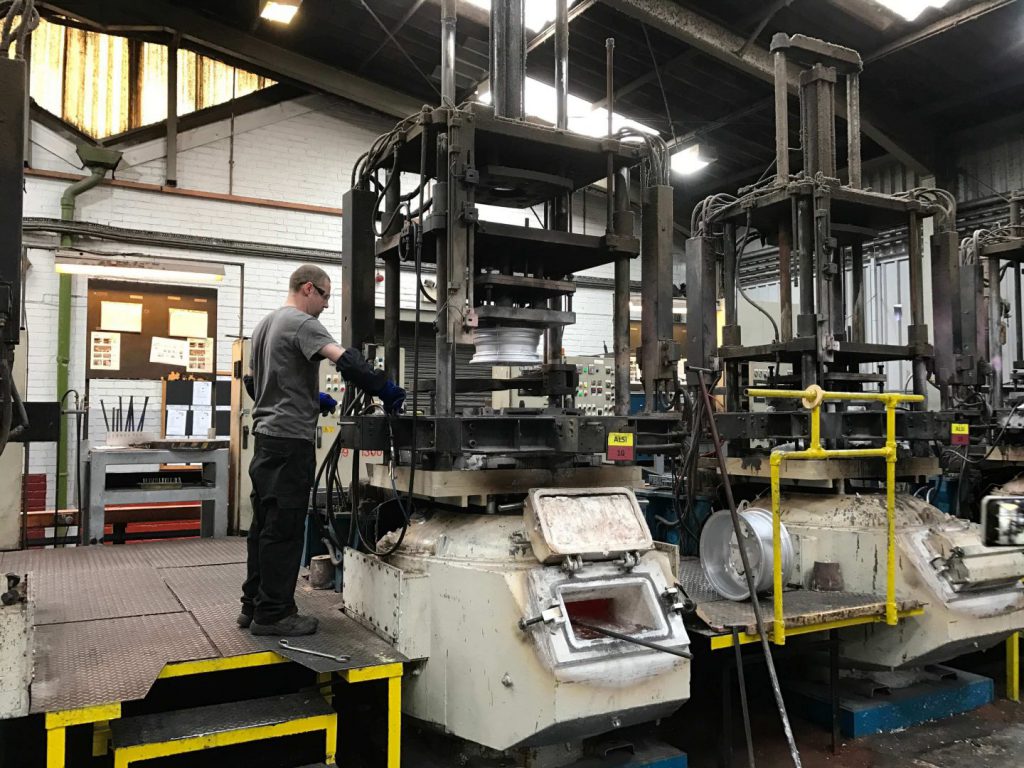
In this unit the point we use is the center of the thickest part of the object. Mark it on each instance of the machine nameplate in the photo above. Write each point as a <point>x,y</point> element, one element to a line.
<point>620,446</point>
<point>960,434</point>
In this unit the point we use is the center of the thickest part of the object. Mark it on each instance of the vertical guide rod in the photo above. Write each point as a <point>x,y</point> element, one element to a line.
<point>560,205</point>
<point>709,410</point>
<point>785,283</point>
<point>1018,304</point>
<point>171,173</point>
<point>448,25</point>
<point>853,128</point>
<point>781,117</point>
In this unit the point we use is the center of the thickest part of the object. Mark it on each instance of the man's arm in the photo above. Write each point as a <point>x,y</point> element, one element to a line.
<point>332,352</point>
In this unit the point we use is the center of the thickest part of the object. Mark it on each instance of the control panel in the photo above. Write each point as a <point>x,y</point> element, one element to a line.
<point>596,393</point>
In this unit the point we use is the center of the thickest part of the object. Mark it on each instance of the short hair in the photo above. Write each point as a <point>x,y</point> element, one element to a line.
<point>307,273</point>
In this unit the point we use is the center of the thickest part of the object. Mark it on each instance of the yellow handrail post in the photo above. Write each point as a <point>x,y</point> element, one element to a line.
<point>890,510</point>
<point>814,450</point>
<point>779,625</point>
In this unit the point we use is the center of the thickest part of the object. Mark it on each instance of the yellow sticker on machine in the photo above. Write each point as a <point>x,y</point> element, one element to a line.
<point>620,438</point>
<point>960,429</point>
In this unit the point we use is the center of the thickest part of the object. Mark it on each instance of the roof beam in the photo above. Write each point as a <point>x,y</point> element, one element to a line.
<point>247,50</point>
<point>728,47</point>
<point>937,28</point>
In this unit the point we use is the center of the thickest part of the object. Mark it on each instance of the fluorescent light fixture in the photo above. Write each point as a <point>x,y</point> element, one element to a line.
<point>538,13</point>
<point>692,159</point>
<point>911,9</point>
<point>146,269</point>
<point>280,11</point>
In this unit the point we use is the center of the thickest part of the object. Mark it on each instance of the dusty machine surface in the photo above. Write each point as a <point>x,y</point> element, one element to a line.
<point>972,594</point>
<point>819,224</point>
<point>501,614</point>
<point>17,646</point>
<point>503,547</point>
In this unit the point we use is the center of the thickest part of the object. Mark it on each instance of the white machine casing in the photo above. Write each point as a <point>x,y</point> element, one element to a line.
<point>486,679</point>
<point>971,593</point>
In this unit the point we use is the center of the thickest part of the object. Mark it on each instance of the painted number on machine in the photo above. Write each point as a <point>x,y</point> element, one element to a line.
<point>620,446</point>
<point>960,434</point>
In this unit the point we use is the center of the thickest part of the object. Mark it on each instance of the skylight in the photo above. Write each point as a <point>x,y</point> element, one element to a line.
<point>539,13</point>
<point>541,103</point>
<point>911,9</point>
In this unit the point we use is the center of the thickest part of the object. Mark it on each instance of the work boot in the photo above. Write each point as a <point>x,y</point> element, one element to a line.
<point>244,620</point>
<point>289,626</point>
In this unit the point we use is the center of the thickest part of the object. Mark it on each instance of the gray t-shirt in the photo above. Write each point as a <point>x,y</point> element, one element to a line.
<point>285,370</point>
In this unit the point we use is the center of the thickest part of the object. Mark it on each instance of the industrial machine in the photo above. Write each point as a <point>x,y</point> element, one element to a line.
<point>503,547</point>
<point>835,459</point>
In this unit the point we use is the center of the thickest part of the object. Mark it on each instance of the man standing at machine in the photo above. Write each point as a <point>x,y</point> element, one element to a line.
<point>287,348</point>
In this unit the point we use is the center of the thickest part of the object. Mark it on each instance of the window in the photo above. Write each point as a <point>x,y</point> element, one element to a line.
<point>106,85</point>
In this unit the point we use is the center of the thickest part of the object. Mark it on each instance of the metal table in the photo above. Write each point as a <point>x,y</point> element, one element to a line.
<point>213,493</point>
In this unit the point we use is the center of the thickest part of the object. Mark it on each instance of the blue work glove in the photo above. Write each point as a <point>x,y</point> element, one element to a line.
<point>327,404</point>
<point>393,397</point>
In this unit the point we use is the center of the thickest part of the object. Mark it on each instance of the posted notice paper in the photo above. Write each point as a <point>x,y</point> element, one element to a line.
<point>121,316</point>
<point>187,322</point>
<point>177,416</point>
<point>200,355</point>
<point>202,420</point>
<point>169,351</point>
<point>105,351</point>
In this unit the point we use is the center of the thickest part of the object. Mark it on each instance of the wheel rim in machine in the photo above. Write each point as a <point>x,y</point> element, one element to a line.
<point>720,555</point>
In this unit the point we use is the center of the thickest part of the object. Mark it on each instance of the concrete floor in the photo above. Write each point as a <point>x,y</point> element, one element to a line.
<point>989,737</point>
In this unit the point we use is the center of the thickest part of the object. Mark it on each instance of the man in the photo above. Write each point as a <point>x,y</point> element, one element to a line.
<point>287,348</point>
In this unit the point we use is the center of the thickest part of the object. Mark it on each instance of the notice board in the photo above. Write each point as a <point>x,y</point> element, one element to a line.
<point>149,331</point>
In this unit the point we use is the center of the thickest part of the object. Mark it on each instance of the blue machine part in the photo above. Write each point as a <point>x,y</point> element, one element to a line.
<point>953,693</point>
<point>660,512</point>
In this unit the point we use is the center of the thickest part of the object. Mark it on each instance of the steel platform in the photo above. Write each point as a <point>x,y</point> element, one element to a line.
<point>805,611</point>
<point>112,620</point>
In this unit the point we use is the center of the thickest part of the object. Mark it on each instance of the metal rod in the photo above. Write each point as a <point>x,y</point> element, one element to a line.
<point>742,683</point>
<point>392,279</point>
<point>805,246</point>
<point>729,277</point>
<point>995,348</point>
<point>630,639</point>
<point>1018,304</point>
<point>916,269</point>
<point>449,22</point>
<point>620,334</point>
<point>781,117</point>
<point>833,687</point>
<point>171,173</point>
<point>853,129</point>
<point>785,283</point>
<point>858,303</point>
<point>754,602</point>
<point>508,58</point>
<point>562,64</point>
<point>609,47</point>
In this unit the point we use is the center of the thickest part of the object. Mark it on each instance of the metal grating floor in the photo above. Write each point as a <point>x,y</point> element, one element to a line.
<point>109,618</point>
<point>801,607</point>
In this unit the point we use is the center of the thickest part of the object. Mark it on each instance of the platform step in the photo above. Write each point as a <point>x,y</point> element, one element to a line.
<point>192,730</point>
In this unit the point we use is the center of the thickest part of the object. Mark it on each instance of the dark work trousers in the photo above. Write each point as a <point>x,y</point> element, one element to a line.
<point>282,472</point>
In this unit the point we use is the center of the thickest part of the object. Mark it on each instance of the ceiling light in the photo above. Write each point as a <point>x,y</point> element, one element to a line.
<point>280,11</point>
<point>692,159</point>
<point>911,9</point>
<point>137,268</point>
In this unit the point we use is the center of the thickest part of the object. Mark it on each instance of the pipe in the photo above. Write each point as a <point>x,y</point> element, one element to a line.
<point>562,64</point>
<point>781,117</point>
<point>609,47</point>
<point>171,172</point>
<point>1018,304</point>
<point>508,59</point>
<point>853,129</point>
<point>449,22</point>
<point>67,213</point>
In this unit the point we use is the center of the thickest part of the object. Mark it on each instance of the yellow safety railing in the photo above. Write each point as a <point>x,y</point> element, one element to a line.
<point>812,398</point>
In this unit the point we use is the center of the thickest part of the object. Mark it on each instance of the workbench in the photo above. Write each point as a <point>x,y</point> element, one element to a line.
<point>212,492</point>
